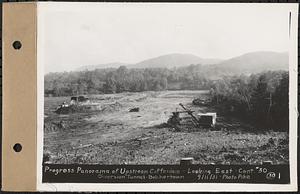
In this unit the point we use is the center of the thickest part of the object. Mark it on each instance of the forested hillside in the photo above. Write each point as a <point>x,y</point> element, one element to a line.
<point>172,72</point>
<point>123,79</point>
<point>260,98</point>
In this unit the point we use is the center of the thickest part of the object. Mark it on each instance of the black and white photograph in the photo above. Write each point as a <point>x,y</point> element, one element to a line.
<point>180,84</point>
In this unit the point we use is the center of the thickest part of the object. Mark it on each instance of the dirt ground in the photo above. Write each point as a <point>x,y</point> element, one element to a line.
<point>113,135</point>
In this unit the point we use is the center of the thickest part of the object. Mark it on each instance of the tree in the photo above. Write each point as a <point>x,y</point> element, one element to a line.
<point>110,84</point>
<point>260,102</point>
<point>280,111</point>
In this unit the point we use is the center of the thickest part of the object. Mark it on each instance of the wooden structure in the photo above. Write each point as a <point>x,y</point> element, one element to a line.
<point>207,119</point>
<point>201,119</point>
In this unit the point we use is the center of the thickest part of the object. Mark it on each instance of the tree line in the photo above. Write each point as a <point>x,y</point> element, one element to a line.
<point>259,98</point>
<point>122,79</point>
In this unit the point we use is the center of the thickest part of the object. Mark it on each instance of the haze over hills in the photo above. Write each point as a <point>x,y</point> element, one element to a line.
<point>101,66</point>
<point>174,60</point>
<point>248,63</point>
<point>164,61</point>
<point>255,62</point>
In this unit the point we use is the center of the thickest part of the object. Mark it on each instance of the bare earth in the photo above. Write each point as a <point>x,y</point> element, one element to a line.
<point>113,135</point>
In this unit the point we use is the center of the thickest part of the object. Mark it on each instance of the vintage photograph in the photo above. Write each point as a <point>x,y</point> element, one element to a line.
<point>129,84</point>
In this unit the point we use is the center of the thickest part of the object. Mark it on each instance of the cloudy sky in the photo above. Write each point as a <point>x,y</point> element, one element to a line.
<point>71,35</point>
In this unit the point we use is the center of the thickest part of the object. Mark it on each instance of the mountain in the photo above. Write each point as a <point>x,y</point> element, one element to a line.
<point>248,63</point>
<point>101,66</point>
<point>174,60</point>
<point>254,62</point>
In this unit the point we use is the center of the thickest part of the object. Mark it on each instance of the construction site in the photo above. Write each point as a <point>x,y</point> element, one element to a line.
<point>164,127</point>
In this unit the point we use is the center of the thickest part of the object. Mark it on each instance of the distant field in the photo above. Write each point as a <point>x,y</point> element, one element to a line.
<point>113,135</point>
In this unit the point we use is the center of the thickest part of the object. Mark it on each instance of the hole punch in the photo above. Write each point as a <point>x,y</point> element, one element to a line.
<point>17,45</point>
<point>17,147</point>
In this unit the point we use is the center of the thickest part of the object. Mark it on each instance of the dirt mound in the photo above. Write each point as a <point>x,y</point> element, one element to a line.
<point>74,108</point>
<point>111,107</point>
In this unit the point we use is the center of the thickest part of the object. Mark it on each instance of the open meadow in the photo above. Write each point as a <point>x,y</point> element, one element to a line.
<point>113,135</point>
